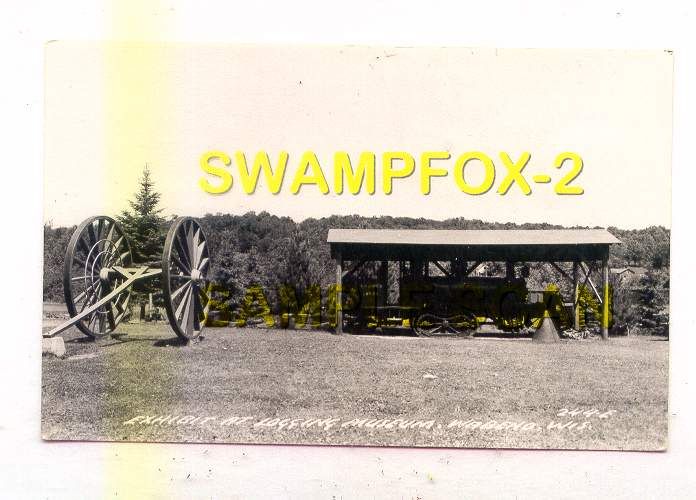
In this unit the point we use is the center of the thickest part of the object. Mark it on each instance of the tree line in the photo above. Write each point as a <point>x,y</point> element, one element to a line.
<point>267,252</point>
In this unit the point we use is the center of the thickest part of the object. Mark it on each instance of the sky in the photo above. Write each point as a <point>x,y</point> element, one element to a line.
<point>111,109</point>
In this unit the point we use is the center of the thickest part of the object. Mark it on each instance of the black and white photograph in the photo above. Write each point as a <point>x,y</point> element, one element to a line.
<point>336,246</point>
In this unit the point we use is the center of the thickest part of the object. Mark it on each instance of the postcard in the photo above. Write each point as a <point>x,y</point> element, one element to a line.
<point>354,245</point>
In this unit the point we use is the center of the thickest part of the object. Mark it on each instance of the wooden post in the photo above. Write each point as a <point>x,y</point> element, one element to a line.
<point>456,267</point>
<point>384,282</point>
<point>402,279</point>
<point>605,296</point>
<point>339,293</point>
<point>576,296</point>
<point>510,270</point>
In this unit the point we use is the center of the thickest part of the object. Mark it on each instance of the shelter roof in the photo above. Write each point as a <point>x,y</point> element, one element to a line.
<point>490,237</point>
<point>443,244</point>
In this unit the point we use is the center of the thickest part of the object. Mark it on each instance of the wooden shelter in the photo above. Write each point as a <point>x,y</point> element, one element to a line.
<point>466,249</point>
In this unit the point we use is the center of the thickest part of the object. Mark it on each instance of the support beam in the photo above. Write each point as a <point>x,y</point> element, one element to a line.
<point>472,268</point>
<point>576,297</point>
<point>353,267</point>
<point>563,273</point>
<point>589,280</point>
<point>605,297</point>
<point>339,293</point>
<point>132,274</point>
<point>441,268</point>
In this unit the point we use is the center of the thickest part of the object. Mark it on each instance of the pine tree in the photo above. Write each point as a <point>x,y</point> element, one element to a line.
<point>145,229</point>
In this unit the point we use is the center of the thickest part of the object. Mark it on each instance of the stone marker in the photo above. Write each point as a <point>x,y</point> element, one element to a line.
<point>546,332</point>
<point>55,346</point>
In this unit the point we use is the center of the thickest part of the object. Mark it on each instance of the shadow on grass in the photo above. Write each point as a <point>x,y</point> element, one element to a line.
<point>173,342</point>
<point>115,339</point>
<point>124,338</point>
<point>81,340</point>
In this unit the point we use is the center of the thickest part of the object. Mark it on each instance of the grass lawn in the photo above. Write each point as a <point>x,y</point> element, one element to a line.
<point>302,375</point>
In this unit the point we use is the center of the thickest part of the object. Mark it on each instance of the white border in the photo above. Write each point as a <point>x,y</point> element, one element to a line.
<point>32,468</point>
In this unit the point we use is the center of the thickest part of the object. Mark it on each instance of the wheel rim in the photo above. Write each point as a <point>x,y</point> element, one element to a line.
<point>185,263</point>
<point>97,245</point>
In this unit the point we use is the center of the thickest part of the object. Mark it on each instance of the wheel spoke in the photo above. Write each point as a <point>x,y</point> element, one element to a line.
<point>100,224</point>
<point>104,226</point>
<point>182,250</point>
<point>186,303</point>
<point>180,264</point>
<point>110,232</point>
<point>189,313</point>
<point>180,290</point>
<point>115,304</point>
<point>193,242</point>
<point>124,257</point>
<point>83,244</point>
<point>114,255</point>
<point>84,293</point>
<point>92,319</point>
<point>180,308</point>
<point>97,234</point>
<point>190,244</point>
<point>199,254</point>
<point>118,242</point>
<point>90,234</point>
<point>102,259</point>
<point>203,264</point>
<point>91,297</point>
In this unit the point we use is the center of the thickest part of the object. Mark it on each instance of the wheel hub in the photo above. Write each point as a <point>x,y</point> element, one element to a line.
<point>104,274</point>
<point>196,276</point>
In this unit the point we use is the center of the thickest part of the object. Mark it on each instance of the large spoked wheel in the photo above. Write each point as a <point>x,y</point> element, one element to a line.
<point>431,325</point>
<point>95,248</point>
<point>185,263</point>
